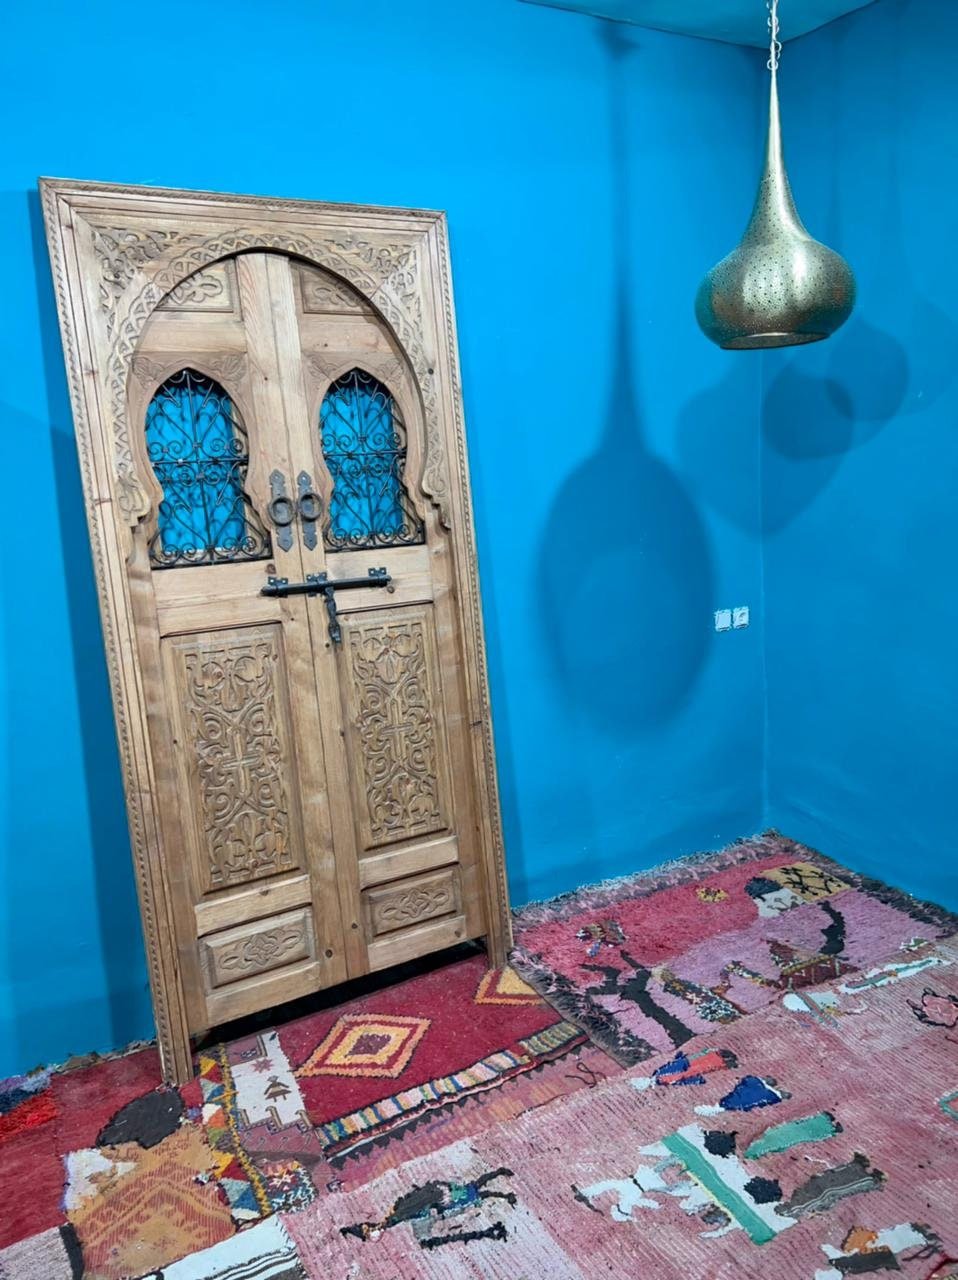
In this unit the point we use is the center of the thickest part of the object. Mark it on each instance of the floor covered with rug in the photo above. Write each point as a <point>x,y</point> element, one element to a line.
<point>745,1064</point>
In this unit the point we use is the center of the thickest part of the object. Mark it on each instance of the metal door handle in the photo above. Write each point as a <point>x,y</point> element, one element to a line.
<point>281,510</point>
<point>310,506</point>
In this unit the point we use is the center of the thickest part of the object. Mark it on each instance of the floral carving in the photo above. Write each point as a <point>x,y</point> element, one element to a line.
<point>152,372</point>
<point>121,251</point>
<point>405,907</point>
<point>263,950</point>
<point>379,260</point>
<point>396,726</point>
<point>229,367</point>
<point>236,732</point>
<point>207,290</point>
<point>324,294</point>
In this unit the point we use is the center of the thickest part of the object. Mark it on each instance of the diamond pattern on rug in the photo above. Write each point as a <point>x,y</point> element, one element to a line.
<point>388,1116</point>
<point>460,1033</point>
<point>375,1045</point>
<point>504,986</point>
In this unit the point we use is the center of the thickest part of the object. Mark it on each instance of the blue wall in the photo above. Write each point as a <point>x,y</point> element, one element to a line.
<point>591,174</point>
<point>860,459</point>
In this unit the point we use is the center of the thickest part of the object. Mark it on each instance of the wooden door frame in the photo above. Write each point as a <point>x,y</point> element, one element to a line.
<point>116,252</point>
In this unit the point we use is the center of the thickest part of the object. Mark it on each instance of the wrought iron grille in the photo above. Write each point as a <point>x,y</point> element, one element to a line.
<point>199,450</point>
<point>364,444</point>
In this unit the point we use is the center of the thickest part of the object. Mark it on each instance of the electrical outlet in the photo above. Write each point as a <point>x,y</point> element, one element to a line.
<point>740,616</point>
<point>723,619</point>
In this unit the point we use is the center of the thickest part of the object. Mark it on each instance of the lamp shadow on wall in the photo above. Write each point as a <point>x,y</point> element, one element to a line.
<point>626,575</point>
<point>118,918</point>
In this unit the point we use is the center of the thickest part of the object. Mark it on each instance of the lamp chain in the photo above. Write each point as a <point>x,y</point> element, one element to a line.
<point>775,46</point>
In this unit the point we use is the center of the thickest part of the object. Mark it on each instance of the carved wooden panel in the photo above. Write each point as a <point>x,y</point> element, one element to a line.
<point>323,293</point>
<point>258,947</point>
<point>233,694</point>
<point>394,708</point>
<point>411,902</point>
<point>211,289</point>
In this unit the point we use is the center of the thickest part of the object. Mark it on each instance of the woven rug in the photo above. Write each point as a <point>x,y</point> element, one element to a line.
<point>337,1096</point>
<point>815,1140</point>
<point>107,1174</point>
<point>647,963</point>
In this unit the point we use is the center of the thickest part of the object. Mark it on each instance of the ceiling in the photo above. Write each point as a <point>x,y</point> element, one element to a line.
<point>735,21</point>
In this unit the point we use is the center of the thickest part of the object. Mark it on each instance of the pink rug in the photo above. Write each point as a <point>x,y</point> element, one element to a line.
<point>816,1140</point>
<point>647,963</point>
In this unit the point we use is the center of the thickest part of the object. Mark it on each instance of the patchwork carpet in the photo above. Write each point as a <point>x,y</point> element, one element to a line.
<point>106,1174</point>
<point>647,963</point>
<point>815,1140</point>
<point>790,1107</point>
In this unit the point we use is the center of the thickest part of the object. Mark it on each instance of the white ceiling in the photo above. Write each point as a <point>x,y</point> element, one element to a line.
<point>735,21</point>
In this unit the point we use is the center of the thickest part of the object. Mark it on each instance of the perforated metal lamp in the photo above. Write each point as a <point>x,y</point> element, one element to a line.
<point>779,288</point>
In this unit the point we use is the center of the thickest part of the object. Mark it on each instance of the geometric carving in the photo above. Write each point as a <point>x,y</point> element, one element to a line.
<point>241,745</point>
<point>258,947</point>
<point>412,901</point>
<point>393,686</point>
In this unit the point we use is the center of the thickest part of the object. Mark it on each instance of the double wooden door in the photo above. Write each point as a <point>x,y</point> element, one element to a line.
<point>299,644</point>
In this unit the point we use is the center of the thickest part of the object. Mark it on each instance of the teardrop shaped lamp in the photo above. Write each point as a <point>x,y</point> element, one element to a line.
<point>779,288</point>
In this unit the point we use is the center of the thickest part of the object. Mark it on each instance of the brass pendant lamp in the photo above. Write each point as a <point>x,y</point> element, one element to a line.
<point>779,288</point>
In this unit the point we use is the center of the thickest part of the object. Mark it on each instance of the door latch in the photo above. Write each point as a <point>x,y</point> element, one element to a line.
<point>320,584</point>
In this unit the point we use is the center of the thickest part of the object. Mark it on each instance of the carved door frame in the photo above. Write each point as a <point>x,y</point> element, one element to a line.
<point>116,252</point>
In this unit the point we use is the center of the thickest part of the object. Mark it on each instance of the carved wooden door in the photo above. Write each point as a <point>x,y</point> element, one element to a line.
<point>288,585</point>
<point>234,720</point>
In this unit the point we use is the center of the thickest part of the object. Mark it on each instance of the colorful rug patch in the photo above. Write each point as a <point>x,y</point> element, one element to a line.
<point>582,1069</point>
<point>136,1209</point>
<point>30,1177</point>
<point>457,1125</point>
<point>648,963</point>
<point>264,1083</point>
<point>260,1167</point>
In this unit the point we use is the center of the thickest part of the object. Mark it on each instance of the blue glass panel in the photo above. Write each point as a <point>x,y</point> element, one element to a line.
<point>199,454</point>
<point>364,444</point>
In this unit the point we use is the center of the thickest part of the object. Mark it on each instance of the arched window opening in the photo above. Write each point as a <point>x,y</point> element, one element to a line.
<point>364,444</point>
<point>199,451</point>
